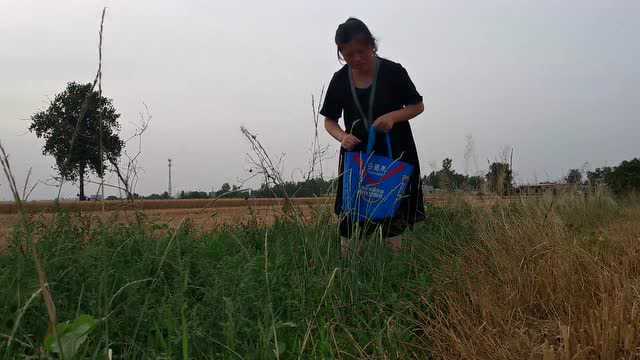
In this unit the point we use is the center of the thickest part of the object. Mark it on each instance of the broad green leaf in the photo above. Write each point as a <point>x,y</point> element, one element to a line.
<point>71,336</point>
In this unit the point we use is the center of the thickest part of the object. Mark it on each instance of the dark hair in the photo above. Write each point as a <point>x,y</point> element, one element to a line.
<point>354,29</point>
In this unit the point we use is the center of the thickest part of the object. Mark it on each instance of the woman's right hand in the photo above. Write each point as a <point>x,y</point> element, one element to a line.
<point>349,142</point>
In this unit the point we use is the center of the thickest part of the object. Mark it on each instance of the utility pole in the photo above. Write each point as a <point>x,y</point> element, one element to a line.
<point>169,178</point>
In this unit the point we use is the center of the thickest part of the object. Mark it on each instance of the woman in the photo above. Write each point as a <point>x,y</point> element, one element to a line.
<point>386,100</point>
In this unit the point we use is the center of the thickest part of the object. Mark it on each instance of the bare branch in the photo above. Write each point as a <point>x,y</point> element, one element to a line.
<point>128,174</point>
<point>6,168</point>
<point>318,151</point>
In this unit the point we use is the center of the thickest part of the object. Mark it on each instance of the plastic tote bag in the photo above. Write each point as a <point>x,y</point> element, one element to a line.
<point>373,185</point>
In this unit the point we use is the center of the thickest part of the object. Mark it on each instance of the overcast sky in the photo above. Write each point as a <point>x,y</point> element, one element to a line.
<point>556,80</point>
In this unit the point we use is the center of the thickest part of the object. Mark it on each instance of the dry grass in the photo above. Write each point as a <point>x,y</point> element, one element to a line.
<point>544,279</point>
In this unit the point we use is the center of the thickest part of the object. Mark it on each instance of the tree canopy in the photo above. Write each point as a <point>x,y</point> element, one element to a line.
<point>84,147</point>
<point>625,177</point>
<point>449,180</point>
<point>574,176</point>
<point>500,178</point>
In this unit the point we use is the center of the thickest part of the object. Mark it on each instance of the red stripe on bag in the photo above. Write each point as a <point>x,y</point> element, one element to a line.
<point>387,176</point>
<point>358,160</point>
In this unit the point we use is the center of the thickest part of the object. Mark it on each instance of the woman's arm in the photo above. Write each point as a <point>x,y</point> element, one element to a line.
<point>386,121</point>
<point>347,141</point>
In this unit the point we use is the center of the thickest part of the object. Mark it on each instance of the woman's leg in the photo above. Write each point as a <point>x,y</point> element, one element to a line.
<point>351,238</point>
<point>393,234</point>
<point>345,246</point>
<point>346,238</point>
<point>394,243</point>
<point>352,235</point>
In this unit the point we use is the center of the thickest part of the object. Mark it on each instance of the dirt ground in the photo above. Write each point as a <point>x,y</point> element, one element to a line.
<point>50,206</point>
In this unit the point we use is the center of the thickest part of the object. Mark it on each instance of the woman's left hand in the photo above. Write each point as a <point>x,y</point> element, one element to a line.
<point>384,123</point>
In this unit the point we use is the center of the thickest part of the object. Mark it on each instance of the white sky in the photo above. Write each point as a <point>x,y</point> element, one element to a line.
<point>557,80</point>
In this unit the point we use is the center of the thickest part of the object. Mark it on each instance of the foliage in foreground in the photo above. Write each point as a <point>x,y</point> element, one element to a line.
<point>245,292</point>
<point>550,278</point>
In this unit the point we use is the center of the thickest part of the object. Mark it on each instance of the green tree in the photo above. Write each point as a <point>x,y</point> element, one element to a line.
<point>431,179</point>
<point>445,175</point>
<point>78,153</point>
<point>474,182</point>
<point>224,190</point>
<point>599,175</point>
<point>573,177</point>
<point>625,177</point>
<point>447,163</point>
<point>163,196</point>
<point>500,178</point>
<point>447,178</point>
<point>194,194</point>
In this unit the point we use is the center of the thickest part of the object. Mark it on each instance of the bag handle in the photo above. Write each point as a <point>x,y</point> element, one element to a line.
<point>372,141</point>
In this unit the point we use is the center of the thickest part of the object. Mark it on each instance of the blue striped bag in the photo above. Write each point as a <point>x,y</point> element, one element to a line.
<point>373,185</point>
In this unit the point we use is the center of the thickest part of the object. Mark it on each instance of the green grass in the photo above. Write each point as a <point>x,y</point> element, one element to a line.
<point>243,292</point>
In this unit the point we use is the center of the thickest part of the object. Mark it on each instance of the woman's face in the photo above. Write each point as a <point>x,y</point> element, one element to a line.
<point>358,54</point>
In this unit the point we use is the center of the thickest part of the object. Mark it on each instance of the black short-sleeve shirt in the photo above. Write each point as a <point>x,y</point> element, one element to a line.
<point>394,90</point>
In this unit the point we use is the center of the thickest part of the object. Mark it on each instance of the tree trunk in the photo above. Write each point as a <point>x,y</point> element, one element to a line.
<point>81,177</point>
